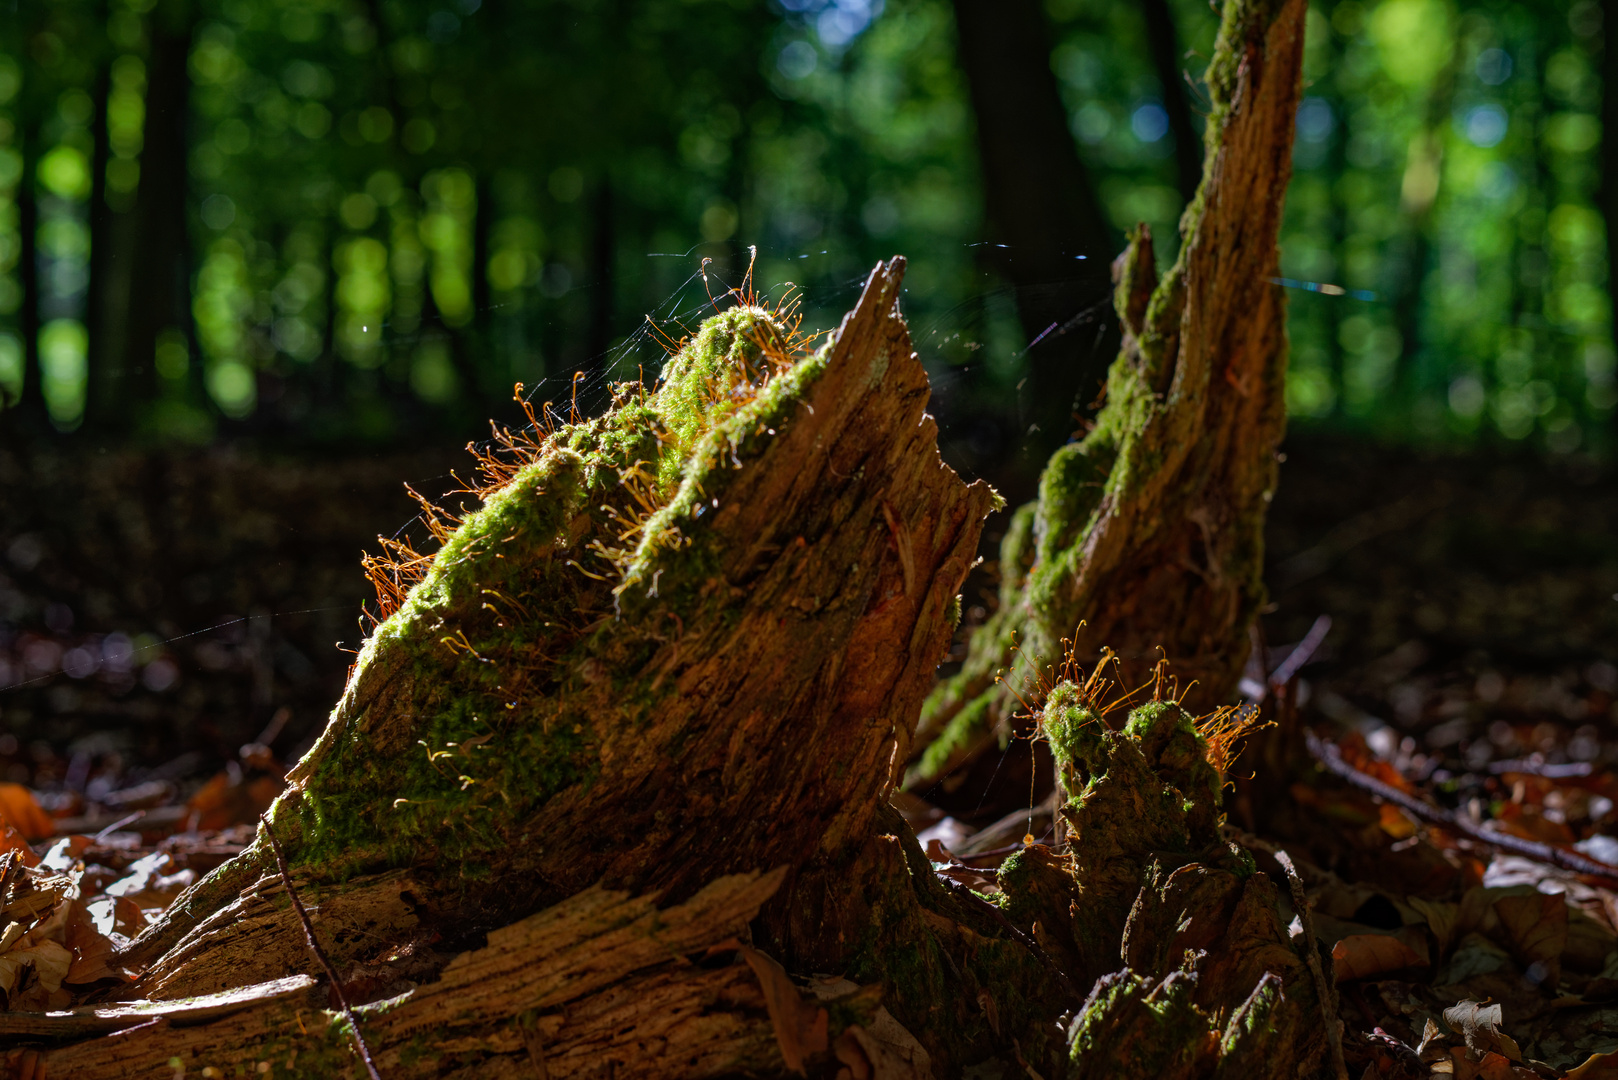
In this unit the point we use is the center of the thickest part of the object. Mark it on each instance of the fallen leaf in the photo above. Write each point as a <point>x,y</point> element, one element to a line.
<point>1432,1048</point>
<point>867,1055</point>
<point>800,1026</point>
<point>1360,956</point>
<point>118,915</point>
<point>1497,1067</point>
<point>146,883</point>
<point>93,949</point>
<point>63,856</point>
<point>12,840</point>
<point>1596,1067</point>
<point>49,960</point>
<point>1441,917</point>
<point>1396,823</point>
<point>1480,1026</point>
<point>21,810</point>
<point>1536,926</point>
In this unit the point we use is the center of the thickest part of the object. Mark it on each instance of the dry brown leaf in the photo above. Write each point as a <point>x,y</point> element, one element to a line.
<point>1596,1067</point>
<point>800,1026</point>
<point>12,840</point>
<point>1433,1047</point>
<point>93,948</point>
<point>1480,1026</point>
<point>1396,823</point>
<point>48,959</point>
<point>1498,1067</point>
<point>1536,926</point>
<point>22,811</point>
<point>1441,919</point>
<point>1360,956</point>
<point>116,915</point>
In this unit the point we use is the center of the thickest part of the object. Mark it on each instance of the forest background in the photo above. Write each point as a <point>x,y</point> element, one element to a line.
<point>356,223</point>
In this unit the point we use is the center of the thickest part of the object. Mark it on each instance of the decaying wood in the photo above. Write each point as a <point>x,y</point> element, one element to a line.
<point>783,703</point>
<point>598,983</point>
<point>608,791</point>
<point>1147,536</point>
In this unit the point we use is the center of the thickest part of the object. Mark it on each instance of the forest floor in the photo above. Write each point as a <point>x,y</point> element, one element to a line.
<point>167,633</point>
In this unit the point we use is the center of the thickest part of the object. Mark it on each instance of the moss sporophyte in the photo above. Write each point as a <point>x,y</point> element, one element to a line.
<point>507,640</point>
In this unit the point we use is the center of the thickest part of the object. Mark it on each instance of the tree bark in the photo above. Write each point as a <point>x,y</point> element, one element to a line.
<point>1147,536</point>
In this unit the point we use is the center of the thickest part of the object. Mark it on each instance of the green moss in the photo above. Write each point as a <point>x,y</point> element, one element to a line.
<point>1070,490</point>
<point>965,729</point>
<point>712,377</point>
<point>503,649</point>
<point>1139,1027</point>
<point>1169,739</point>
<point>1074,735</point>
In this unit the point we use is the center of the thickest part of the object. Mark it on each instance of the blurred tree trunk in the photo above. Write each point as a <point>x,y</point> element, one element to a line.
<point>1609,146</point>
<point>1423,180</point>
<point>1164,43</point>
<point>30,410</point>
<point>603,290</point>
<point>160,295</point>
<point>489,374</point>
<point>1042,205</point>
<point>101,405</point>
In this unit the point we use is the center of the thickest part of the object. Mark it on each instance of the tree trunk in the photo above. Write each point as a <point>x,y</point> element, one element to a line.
<point>1164,45</point>
<point>101,397</point>
<point>570,823</point>
<point>31,407</point>
<point>1147,536</point>
<point>160,295</point>
<point>1041,206</point>
<point>1609,145</point>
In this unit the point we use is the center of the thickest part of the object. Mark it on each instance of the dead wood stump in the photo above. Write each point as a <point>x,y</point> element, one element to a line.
<point>607,791</point>
<point>1148,534</point>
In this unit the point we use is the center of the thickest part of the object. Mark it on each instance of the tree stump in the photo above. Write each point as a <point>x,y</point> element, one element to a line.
<point>1148,535</point>
<point>607,792</point>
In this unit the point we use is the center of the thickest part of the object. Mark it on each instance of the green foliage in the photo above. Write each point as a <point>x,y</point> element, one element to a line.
<point>394,211</point>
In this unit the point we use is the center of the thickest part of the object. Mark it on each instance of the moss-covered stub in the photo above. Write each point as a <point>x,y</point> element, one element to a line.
<point>508,645</point>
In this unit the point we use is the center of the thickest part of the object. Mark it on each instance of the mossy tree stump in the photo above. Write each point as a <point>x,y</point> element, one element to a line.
<point>1147,535</point>
<point>607,791</point>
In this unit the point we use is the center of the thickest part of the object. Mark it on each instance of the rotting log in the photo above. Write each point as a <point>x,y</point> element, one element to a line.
<point>547,995</point>
<point>1147,534</point>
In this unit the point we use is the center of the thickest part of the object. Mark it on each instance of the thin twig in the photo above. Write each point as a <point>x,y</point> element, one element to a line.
<point>1561,858</point>
<point>989,909</point>
<point>128,819</point>
<point>320,954</point>
<point>1311,953</point>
